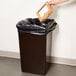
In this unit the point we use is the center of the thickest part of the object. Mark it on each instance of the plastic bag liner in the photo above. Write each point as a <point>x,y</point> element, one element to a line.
<point>34,26</point>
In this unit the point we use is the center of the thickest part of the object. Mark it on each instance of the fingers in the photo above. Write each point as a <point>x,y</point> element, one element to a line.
<point>52,3</point>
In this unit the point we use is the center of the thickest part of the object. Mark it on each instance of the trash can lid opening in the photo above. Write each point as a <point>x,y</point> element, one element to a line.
<point>34,26</point>
<point>37,21</point>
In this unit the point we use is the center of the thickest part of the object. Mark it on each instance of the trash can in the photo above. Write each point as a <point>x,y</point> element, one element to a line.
<point>32,41</point>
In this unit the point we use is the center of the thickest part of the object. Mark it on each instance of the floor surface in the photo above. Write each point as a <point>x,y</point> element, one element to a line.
<point>11,67</point>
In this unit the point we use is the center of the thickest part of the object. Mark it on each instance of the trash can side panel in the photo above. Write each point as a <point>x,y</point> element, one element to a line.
<point>33,52</point>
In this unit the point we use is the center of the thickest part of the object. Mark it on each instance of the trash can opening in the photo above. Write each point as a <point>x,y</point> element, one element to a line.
<point>34,26</point>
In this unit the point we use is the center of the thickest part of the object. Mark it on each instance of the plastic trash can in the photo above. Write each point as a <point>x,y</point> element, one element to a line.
<point>32,42</point>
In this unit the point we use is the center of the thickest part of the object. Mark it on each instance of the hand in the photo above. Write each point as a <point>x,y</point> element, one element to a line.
<point>54,2</point>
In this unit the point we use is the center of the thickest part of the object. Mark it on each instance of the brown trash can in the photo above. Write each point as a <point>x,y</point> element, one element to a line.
<point>33,53</point>
<point>33,49</point>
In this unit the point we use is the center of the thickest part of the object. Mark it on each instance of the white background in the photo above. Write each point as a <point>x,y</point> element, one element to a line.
<point>64,36</point>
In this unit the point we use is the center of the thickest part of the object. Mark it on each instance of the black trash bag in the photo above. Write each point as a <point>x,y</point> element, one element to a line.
<point>34,26</point>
